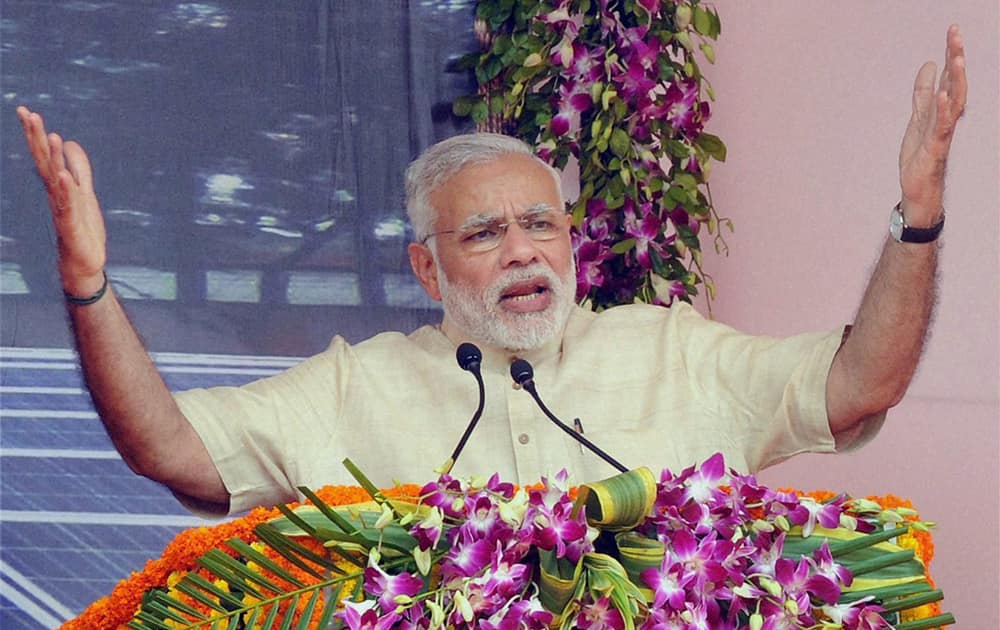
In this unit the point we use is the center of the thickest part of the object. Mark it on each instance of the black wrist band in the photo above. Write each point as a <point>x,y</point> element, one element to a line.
<point>77,301</point>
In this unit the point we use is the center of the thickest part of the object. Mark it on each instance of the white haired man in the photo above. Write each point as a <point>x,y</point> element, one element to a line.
<point>656,387</point>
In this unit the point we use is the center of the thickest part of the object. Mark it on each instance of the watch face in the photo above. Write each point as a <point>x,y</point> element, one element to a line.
<point>896,224</point>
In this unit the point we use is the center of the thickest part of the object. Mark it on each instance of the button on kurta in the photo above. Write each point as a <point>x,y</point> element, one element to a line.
<point>523,438</point>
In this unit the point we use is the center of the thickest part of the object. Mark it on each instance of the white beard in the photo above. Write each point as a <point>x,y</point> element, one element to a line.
<point>480,316</point>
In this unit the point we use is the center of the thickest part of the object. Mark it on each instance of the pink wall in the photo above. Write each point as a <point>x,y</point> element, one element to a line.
<point>813,98</point>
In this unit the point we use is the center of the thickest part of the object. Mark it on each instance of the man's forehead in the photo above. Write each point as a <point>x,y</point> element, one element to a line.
<point>505,186</point>
<point>491,216</point>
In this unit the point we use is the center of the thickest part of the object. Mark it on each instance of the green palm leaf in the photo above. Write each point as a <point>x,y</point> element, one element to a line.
<point>246,587</point>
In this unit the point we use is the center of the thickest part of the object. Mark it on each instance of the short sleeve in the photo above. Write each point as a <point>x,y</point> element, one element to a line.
<point>773,389</point>
<point>258,434</point>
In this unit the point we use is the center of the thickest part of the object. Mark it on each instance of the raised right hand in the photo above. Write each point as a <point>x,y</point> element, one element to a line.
<point>76,214</point>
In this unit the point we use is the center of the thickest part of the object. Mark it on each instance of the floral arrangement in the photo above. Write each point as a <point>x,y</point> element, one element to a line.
<point>617,85</point>
<point>707,548</point>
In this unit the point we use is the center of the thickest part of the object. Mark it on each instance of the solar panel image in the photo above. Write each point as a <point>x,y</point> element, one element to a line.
<point>74,520</point>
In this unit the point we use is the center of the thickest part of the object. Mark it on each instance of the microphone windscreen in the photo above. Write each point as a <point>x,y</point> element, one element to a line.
<point>521,372</point>
<point>469,356</point>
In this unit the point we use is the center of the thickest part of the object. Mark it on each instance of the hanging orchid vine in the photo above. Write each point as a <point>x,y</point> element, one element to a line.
<point>616,85</point>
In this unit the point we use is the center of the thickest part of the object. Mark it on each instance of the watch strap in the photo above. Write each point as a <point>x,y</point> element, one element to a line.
<point>910,234</point>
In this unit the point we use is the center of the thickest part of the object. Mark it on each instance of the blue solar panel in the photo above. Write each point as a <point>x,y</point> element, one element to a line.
<point>54,433</point>
<point>14,618</point>
<point>74,520</point>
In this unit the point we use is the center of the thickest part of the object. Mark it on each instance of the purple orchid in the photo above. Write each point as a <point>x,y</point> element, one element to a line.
<point>669,583</point>
<point>428,530</point>
<point>549,515</point>
<point>700,558</point>
<point>599,615</point>
<point>560,20</point>
<point>587,65</point>
<point>661,619</point>
<point>680,216</point>
<point>597,69</point>
<point>808,513</point>
<point>599,221</point>
<point>574,99</point>
<point>363,616</point>
<point>705,483</point>
<point>856,616</point>
<point>652,6</point>
<point>633,82</point>
<point>445,493</point>
<point>504,579</point>
<point>768,553</point>
<point>694,616</point>
<point>555,529</point>
<point>466,558</point>
<point>521,614</point>
<point>823,564</point>
<point>644,53</point>
<point>682,110</point>
<point>387,587</point>
<point>415,617</point>
<point>483,521</point>
<point>645,229</point>
<point>675,289</point>
<point>590,258</point>
<point>798,583</point>
<point>778,616</point>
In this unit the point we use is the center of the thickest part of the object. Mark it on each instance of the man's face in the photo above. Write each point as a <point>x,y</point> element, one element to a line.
<point>518,294</point>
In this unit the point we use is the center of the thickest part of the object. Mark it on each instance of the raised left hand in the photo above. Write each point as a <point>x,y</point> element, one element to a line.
<point>924,153</point>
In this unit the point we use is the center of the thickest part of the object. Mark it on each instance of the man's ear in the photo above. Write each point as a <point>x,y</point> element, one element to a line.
<point>422,262</point>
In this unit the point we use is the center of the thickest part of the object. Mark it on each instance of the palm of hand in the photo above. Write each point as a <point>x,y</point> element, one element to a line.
<point>76,213</point>
<point>924,152</point>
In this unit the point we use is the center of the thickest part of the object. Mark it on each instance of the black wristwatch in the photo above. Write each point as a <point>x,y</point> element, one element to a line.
<point>903,233</point>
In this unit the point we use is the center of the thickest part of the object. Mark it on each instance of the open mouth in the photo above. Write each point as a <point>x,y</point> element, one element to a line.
<point>525,291</point>
<point>527,296</point>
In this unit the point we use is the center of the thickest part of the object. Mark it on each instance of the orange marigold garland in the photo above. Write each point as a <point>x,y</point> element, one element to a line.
<point>923,547</point>
<point>180,555</point>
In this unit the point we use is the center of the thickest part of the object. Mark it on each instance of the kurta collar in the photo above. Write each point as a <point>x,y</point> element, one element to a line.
<point>499,359</point>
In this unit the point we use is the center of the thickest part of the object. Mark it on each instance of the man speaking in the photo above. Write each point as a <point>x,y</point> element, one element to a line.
<point>651,386</point>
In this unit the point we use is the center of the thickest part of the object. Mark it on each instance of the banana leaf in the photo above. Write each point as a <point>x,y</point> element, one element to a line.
<point>638,553</point>
<point>620,502</point>
<point>907,571</point>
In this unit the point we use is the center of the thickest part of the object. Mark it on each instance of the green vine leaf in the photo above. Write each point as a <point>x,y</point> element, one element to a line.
<point>712,145</point>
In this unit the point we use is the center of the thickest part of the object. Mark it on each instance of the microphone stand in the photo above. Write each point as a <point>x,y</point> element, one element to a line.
<point>470,359</point>
<point>523,374</point>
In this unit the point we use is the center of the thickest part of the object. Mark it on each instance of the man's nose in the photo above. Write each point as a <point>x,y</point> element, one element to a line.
<point>516,247</point>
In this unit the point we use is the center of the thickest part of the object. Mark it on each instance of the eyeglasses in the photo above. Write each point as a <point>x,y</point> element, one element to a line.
<point>486,234</point>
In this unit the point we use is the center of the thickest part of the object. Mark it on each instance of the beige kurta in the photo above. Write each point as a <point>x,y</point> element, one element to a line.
<point>657,387</point>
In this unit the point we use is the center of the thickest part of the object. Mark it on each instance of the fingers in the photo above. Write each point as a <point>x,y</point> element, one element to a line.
<point>57,161</point>
<point>953,87</point>
<point>38,143</point>
<point>956,86</point>
<point>65,186</point>
<point>923,91</point>
<point>79,165</point>
<point>953,79</point>
<point>946,119</point>
<point>953,44</point>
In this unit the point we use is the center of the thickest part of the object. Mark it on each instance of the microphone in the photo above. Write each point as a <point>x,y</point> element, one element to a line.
<point>470,359</point>
<point>523,374</point>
